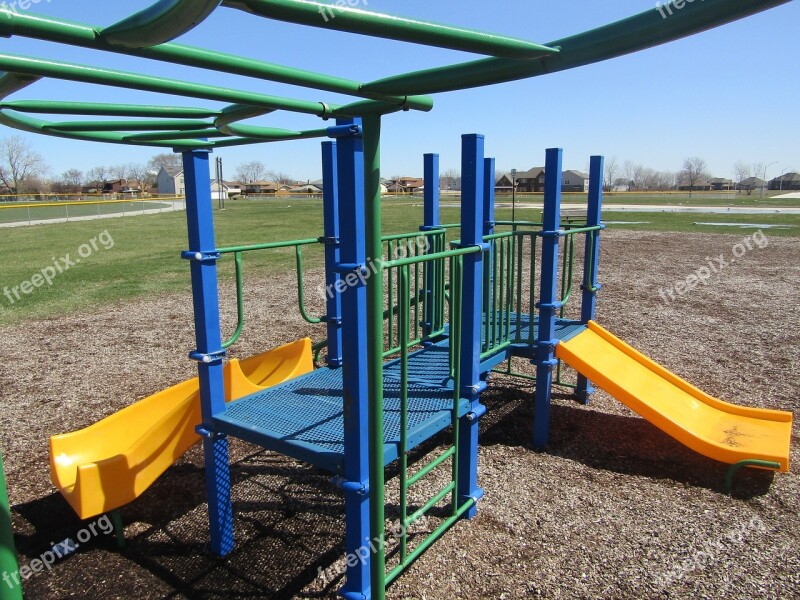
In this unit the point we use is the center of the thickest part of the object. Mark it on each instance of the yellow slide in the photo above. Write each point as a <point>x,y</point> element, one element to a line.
<point>112,462</point>
<point>722,431</point>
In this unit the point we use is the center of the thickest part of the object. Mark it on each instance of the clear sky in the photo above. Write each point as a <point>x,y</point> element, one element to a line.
<point>725,95</point>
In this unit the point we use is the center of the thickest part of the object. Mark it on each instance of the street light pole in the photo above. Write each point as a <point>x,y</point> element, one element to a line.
<point>514,195</point>
<point>780,179</point>
<point>766,183</point>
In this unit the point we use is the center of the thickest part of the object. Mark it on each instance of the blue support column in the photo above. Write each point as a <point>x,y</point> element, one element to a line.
<point>471,385</point>
<point>209,354</point>
<point>431,221</point>
<point>350,175</point>
<point>590,286</point>
<point>548,305</point>
<point>330,209</point>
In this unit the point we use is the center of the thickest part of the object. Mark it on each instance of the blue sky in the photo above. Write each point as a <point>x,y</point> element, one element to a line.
<point>726,95</point>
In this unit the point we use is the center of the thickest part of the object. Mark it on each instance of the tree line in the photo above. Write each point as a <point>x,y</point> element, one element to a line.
<point>23,170</point>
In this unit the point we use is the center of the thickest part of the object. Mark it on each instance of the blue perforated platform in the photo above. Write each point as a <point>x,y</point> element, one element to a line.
<point>303,418</point>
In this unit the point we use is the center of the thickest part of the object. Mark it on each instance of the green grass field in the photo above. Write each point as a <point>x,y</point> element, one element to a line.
<point>145,259</point>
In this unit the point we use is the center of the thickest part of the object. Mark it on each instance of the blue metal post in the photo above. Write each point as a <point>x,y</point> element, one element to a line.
<point>209,354</point>
<point>330,209</point>
<point>471,386</point>
<point>548,305</point>
<point>590,286</point>
<point>431,221</point>
<point>350,174</point>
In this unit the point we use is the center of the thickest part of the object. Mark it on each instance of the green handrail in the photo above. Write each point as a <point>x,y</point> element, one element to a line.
<point>238,252</point>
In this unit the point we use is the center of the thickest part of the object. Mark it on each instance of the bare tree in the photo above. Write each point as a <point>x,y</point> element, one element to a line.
<point>610,173</point>
<point>97,175</point>
<point>72,180</point>
<point>251,171</point>
<point>19,164</point>
<point>741,172</point>
<point>693,172</point>
<point>169,160</point>
<point>141,174</point>
<point>118,171</point>
<point>280,177</point>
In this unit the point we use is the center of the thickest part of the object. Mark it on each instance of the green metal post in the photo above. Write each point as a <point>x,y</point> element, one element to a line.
<point>372,199</point>
<point>8,553</point>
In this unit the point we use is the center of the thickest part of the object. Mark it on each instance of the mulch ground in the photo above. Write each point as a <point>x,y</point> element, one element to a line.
<point>613,508</point>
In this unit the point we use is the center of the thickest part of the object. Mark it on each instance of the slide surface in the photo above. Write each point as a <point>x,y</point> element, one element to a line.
<point>722,431</point>
<point>112,462</point>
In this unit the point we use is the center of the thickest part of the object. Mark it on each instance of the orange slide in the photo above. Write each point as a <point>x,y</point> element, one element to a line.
<point>112,462</point>
<point>722,431</point>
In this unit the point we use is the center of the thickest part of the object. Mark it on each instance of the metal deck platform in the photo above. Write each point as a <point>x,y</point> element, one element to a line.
<point>303,418</point>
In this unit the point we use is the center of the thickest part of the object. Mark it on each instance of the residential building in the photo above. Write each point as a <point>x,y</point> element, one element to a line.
<point>720,184</point>
<point>225,189</point>
<point>787,181</point>
<point>574,181</point>
<point>752,183</point>
<point>170,182</point>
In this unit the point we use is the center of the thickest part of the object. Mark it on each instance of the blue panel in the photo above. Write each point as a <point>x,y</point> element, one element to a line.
<point>352,236</point>
<point>545,346</point>
<point>431,221</point>
<point>592,260</point>
<point>472,223</point>
<point>304,417</point>
<point>333,300</point>
<point>200,219</point>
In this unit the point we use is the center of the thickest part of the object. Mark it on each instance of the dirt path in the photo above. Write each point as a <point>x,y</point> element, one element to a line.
<point>614,508</point>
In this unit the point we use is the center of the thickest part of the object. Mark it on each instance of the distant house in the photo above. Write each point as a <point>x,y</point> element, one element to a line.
<point>170,182</point>
<point>503,185</point>
<point>260,187</point>
<point>720,184</point>
<point>698,186</point>
<point>225,190</point>
<point>452,184</point>
<point>307,188</point>
<point>788,181</point>
<point>116,186</point>
<point>574,181</point>
<point>531,180</point>
<point>405,185</point>
<point>752,183</point>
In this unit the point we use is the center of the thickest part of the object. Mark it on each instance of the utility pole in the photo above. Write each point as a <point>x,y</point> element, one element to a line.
<point>514,195</point>
<point>220,184</point>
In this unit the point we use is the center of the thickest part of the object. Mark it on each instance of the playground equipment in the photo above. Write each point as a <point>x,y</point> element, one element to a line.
<point>111,463</point>
<point>451,314</point>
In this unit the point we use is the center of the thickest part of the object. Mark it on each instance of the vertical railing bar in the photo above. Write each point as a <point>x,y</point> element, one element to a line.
<point>403,325</point>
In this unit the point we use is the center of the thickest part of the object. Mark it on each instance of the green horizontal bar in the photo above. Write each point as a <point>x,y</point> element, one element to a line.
<point>273,133</point>
<point>87,74</point>
<point>401,262</point>
<point>356,20</point>
<point>179,124</point>
<point>175,135</point>
<point>430,504</point>
<point>54,107</point>
<point>159,23</point>
<point>428,541</point>
<point>269,246</point>
<point>78,34</point>
<point>495,349</point>
<point>567,232</point>
<point>645,30</point>
<point>22,122</point>
<point>430,467</point>
<point>408,236</point>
